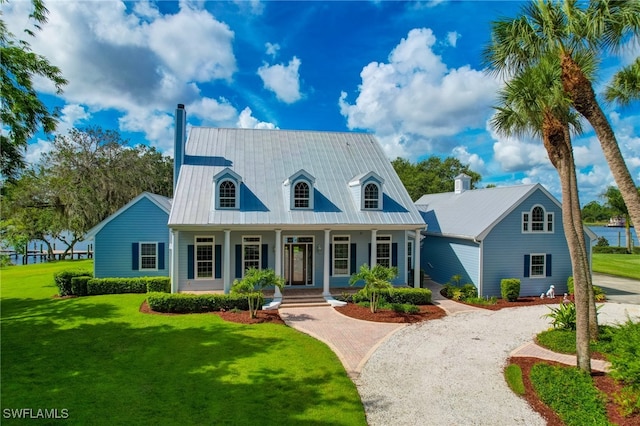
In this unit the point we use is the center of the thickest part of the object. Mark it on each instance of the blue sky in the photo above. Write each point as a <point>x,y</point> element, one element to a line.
<point>409,72</point>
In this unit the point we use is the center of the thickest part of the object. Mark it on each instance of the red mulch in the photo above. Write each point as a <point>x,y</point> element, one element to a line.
<point>427,312</point>
<point>241,317</point>
<point>522,301</point>
<point>603,382</point>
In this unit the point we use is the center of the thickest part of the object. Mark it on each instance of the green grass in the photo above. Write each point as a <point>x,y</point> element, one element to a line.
<point>513,376</point>
<point>106,363</point>
<point>622,265</point>
<point>570,393</point>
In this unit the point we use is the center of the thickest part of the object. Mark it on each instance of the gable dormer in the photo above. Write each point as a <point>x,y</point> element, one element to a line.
<point>226,187</point>
<point>299,190</point>
<point>367,190</point>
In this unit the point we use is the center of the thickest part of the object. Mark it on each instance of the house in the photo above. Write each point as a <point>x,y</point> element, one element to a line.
<point>134,241</point>
<point>313,206</point>
<point>485,235</point>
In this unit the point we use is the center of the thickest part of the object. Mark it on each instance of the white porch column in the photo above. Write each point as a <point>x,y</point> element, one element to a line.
<point>173,263</point>
<point>327,259</point>
<point>226,269</point>
<point>374,248</point>
<point>278,265</point>
<point>416,261</point>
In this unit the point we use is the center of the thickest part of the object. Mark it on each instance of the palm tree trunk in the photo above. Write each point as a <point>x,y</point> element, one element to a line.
<point>558,148</point>
<point>579,88</point>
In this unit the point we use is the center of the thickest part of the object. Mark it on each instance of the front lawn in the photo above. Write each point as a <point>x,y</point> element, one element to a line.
<point>622,265</point>
<point>104,362</point>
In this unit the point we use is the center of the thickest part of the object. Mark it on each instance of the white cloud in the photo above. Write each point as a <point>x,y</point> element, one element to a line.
<point>213,112</point>
<point>247,121</point>
<point>475,162</point>
<point>36,150</point>
<point>452,38</point>
<point>272,49</point>
<point>283,80</point>
<point>72,114</point>
<point>415,102</point>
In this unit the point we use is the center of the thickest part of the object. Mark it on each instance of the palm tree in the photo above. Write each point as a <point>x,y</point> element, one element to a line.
<point>251,286</point>
<point>625,85</point>
<point>618,208</point>
<point>376,280</point>
<point>566,30</point>
<point>533,102</point>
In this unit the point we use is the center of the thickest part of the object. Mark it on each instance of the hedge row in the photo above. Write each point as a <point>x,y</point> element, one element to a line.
<point>81,283</point>
<point>184,303</point>
<point>411,296</point>
<point>614,250</point>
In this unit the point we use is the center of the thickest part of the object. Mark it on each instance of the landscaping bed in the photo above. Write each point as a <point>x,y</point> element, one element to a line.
<point>427,312</point>
<point>240,317</point>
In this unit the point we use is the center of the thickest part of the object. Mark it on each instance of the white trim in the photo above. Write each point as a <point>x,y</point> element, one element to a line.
<point>156,255</point>
<point>251,243</point>
<point>548,218</point>
<point>382,239</point>
<point>333,261</point>
<point>195,256</point>
<point>544,265</point>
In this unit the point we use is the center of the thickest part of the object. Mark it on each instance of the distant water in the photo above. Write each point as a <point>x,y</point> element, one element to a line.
<point>615,236</point>
<point>39,245</point>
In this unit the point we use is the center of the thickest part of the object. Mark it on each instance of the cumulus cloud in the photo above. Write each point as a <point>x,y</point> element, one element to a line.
<point>475,162</point>
<point>415,103</point>
<point>272,49</point>
<point>247,121</point>
<point>282,80</point>
<point>452,38</point>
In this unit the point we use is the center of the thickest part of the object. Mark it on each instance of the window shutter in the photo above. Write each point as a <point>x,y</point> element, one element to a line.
<point>527,260</point>
<point>265,256</point>
<point>238,261</point>
<point>353,258</point>
<point>160,256</point>
<point>548,265</point>
<point>330,259</point>
<point>190,262</point>
<point>218,257</point>
<point>135,256</point>
<point>394,254</point>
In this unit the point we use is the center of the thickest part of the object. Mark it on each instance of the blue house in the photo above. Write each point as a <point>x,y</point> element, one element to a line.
<point>489,234</point>
<point>134,241</point>
<point>313,206</point>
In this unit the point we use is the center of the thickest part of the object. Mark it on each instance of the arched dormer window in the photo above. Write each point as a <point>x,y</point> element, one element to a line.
<point>301,195</point>
<point>226,187</point>
<point>227,195</point>
<point>537,220</point>
<point>371,196</point>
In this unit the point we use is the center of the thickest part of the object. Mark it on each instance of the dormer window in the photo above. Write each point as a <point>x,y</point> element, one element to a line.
<point>537,220</point>
<point>227,195</point>
<point>227,190</point>
<point>298,189</point>
<point>301,195</point>
<point>371,196</point>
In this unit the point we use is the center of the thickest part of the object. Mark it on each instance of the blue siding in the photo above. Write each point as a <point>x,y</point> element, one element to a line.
<point>442,258</point>
<point>505,248</point>
<point>142,222</point>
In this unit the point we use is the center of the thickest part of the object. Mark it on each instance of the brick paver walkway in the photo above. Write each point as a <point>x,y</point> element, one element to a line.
<point>534,351</point>
<point>351,339</point>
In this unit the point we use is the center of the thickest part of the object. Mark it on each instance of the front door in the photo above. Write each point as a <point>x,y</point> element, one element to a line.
<point>298,261</point>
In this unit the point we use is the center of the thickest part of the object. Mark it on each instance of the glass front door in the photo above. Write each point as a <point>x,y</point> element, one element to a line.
<point>298,261</point>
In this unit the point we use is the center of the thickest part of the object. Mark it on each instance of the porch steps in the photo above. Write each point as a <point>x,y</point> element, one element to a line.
<point>303,300</point>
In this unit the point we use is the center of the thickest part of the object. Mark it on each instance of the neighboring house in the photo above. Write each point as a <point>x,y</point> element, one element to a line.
<point>313,206</point>
<point>134,241</point>
<point>485,235</point>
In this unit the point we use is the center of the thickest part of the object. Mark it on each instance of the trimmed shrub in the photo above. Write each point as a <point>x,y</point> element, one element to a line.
<point>612,250</point>
<point>158,284</point>
<point>79,285</point>
<point>405,308</point>
<point>63,280</point>
<point>510,289</point>
<point>197,303</point>
<point>411,296</point>
<point>116,286</point>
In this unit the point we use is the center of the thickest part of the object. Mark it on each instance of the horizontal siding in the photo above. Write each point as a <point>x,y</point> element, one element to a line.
<point>442,258</point>
<point>142,222</point>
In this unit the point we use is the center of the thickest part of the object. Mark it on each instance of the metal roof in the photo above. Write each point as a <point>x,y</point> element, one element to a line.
<point>265,159</point>
<point>472,213</point>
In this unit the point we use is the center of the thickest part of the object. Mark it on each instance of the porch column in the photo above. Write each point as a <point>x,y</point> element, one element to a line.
<point>327,259</point>
<point>173,263</point>
<point>278,265</point>
<point>374,248</point>
<point>226,269</point>
<point>416,261</point>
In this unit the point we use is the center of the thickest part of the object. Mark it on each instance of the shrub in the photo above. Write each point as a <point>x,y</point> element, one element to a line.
<point>411,296</point>
<point>513,376</point>
<point>563,317</point>
<point>510,289</point>
<point>482,301</point>
<point>461,294</point>
<point>158,284</point>
<point>79,285</point>
<point>602,242</point>
<point>116,286</point>
<point>196,303</point>
<point>599,294</point>
<point>405,308</point>
<point>570,287</point>
<point>625,353</point>
<point>63,280</point>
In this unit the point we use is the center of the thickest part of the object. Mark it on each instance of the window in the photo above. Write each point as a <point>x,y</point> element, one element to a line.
<point>251,252</point>
<point>409,255</point>
<point>227,195</point>
<point>538,266</point>
<point>204,257</point>
<point>537,220</point>
<point>301,195</point>
<point>341,260</point>
<point>371,196</point>
<point>148,256</point>
<point>383,250</point>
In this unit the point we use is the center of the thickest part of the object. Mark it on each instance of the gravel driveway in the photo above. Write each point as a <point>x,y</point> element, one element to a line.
<point>449,371</point>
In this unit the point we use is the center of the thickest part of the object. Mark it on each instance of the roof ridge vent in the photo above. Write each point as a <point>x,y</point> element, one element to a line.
<point>462,183</point>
